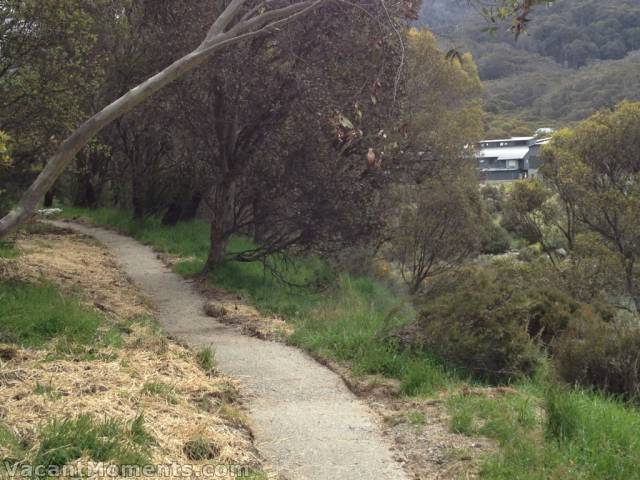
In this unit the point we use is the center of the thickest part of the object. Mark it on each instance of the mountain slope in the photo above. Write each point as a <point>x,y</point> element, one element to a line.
<point>578,56</point>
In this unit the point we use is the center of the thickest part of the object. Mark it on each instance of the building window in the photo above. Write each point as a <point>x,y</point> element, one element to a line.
<point>512,164</point>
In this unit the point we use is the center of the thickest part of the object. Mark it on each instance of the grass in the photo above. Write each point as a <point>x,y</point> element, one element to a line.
<point>232,414</point>
<point>199,448</point>
<point>10,443</point>
<point>206,359</point>
<point>416,418</point>
<point>187,239</point>
<point>544,433</point>
<point>8,250</point>
<point>561,434</point>
<point>34,314</point>
<point>160,389</point>
<point>47,390</point>
<point>106,440</point>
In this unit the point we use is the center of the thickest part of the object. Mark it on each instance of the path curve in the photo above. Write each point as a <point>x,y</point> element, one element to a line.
<point>307,424</point>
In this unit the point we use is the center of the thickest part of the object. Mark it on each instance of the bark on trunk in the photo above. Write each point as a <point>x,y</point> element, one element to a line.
<point>632,286</point>
<point>48,199</point>
<point>221,224</point>
<point>85,195</point>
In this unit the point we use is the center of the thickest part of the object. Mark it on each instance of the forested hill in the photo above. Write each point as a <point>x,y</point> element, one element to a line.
<point>578,56</point>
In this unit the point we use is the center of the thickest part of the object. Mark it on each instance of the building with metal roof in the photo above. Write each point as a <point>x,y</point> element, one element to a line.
<point>509,159</point>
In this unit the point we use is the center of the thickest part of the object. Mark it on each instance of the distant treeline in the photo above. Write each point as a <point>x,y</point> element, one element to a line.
<point>578,56</point>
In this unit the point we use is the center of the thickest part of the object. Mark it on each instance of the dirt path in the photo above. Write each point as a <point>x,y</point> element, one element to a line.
<point>308,425</point>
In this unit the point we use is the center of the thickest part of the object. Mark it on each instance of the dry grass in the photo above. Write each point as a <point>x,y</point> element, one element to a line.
<point>241,314</point>
<point>77,264</point>
<point>39,385</point>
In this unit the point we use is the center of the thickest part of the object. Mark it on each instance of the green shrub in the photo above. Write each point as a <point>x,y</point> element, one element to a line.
<point>598,354</point>
<point>550,313</point>
<point>497,240</point>
<point>493,198</point>
<point>482,325</point>
<point>496,322</point>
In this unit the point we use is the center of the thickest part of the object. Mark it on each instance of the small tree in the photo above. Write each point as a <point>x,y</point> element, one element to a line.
<point>439,226</point>
<point>532,213</point>
<point>601,160</point>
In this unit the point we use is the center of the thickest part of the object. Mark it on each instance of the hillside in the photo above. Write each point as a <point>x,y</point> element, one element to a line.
<point>578,56</point>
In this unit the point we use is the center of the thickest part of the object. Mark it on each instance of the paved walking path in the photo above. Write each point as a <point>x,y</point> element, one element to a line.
<point>307,424</point>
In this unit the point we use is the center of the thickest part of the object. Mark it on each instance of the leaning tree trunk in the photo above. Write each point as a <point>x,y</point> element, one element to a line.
<point>222,33</point>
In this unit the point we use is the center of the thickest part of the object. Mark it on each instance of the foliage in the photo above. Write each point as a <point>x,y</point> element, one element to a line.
<point>437,228</point>
<point>496,241</point>
<point>433,213</point>
<point>5,157</point>
<point>442,110</point>
<point>487,323</point>
<point>578,56</point>
<point>53,57</point>
<point>600,355</point>
<point>599,162</point>
<point>532,213</point>
<point>276,172</point>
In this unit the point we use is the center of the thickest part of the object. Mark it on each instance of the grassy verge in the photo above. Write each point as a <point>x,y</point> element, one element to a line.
<point>35,314</point>
<point>557,434</point>
<point>38,315</point>
<point>544,432</point>
<point>71,376</point>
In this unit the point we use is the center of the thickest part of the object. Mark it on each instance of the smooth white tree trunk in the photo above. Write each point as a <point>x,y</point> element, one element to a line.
<point>219,36</point>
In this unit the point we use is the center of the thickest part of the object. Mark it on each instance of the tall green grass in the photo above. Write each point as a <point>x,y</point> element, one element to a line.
<point>561,435</point>
<point>187,239</point>
<point>31,315</point>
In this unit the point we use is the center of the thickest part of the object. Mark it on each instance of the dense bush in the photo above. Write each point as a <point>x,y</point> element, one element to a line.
<point>497,321</point>
<point>599,354</point>
<point>482,325</point>
<point>497,241</point>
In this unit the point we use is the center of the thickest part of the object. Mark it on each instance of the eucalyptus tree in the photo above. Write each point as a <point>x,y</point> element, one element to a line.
<point>232,23</point>
<point>600,162</point>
